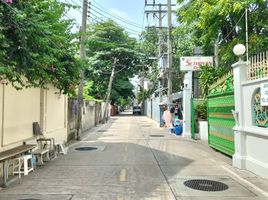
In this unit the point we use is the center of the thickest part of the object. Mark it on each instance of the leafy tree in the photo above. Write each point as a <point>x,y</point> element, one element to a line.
<point>147,45</point>
<point>36,45</point>
<point>124,102</point>
<point>107,41</point>
<point>224,20</point>
<point>208,76</point>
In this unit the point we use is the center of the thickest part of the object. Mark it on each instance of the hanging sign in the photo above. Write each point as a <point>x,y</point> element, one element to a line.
<point>264,94</point>
<point>194,63</point>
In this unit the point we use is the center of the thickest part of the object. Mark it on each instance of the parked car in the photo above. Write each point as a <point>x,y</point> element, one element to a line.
<point>136,110</point>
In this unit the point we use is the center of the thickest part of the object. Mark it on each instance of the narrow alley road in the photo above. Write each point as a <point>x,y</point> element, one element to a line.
<point>135,160</point>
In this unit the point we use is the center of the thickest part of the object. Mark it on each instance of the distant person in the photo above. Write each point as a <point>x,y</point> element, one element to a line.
<point>167,117</point>
<point>177,112</point>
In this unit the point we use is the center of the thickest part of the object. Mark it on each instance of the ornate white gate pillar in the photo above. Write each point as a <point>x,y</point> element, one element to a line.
<point>240,75</point>
<point>187,94</point>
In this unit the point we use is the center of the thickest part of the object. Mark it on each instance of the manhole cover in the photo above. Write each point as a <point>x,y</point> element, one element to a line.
<point>206,185</point>
<point>29,199</point>
<point>102,131</point>
<point>86,148</point>
<point>156,136</point>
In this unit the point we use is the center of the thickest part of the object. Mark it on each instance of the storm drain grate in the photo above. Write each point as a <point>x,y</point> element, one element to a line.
<point>156,136</point>
<point>86,148</point>
<point>29,199</point>
<point>206,185</point>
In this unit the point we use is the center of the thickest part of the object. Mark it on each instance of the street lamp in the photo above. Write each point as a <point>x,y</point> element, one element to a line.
<point>239,50</point>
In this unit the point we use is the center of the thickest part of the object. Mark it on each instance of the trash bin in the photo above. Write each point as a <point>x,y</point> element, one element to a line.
<point>178,130</point>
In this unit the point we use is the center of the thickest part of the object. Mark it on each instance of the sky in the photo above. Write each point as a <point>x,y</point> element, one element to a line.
<point>129,14</point>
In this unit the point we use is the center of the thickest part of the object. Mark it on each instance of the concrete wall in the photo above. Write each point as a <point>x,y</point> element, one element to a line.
<point>20,108</point>
<point>54,115</point>
<point>88,120</point>
<point>92,115</point>
<point>251,141</point>
<point>256,137</point>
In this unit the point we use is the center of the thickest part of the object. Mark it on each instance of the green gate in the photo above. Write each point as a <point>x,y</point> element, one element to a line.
<point>220,118</point>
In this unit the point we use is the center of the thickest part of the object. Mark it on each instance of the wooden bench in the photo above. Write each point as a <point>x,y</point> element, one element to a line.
<point>10,154</point>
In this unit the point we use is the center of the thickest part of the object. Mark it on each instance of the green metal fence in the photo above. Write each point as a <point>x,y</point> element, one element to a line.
<point>220,119</point>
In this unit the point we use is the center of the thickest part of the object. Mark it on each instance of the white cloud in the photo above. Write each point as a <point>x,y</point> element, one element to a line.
<point>120,13</point>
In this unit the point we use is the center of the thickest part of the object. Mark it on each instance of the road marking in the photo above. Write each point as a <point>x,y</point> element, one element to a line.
<point>123,175</point>
<point>245,181</point>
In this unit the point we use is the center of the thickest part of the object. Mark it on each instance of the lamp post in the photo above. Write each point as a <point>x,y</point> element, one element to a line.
<point>239,50</point>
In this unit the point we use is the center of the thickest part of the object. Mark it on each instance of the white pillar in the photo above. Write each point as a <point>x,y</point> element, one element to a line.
<point>240,75</point>
<point>187,94</point>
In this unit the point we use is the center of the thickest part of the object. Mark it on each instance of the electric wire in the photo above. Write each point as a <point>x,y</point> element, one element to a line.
<point>120,24</point>
<point>92,14</point>
<point>114,16</point>
<point>96,13</point>
<point>128,30</point>
<point>100,6</point>
<point>234,26</point>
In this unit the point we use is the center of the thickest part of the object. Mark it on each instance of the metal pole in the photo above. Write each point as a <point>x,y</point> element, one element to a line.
<point>216,53</point>
<point>82,56</point>
<point>142,89</point>
<point>246,16</point>
<point>160,51</point>
<point>169,52</point>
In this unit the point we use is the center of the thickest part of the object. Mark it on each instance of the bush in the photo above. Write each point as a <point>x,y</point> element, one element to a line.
<point>202,110</point>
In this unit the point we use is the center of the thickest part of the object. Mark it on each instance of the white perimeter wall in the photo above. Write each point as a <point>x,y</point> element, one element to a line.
<point>256,144</point>
<point>20,108</point>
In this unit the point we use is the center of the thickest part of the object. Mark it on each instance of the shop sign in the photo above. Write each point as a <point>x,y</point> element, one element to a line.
<point>194,63</point>
<point>264,94</point>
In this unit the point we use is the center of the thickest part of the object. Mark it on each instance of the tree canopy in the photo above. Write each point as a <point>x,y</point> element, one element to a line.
<point>107,41</point>
<point>37,45</point>
<point>223,21</point>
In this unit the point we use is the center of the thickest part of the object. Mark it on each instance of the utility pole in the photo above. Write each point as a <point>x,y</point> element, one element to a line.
<point>142,89</point>
<point>169,58</point>
<point>159,11</point>
<point>109,89</point>
<point>160,50</point>
<point>82,57</point>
